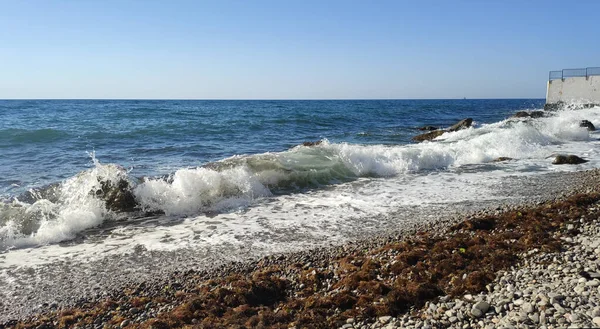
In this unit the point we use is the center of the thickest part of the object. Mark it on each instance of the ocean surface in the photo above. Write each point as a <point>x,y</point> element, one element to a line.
<point>203,174</point>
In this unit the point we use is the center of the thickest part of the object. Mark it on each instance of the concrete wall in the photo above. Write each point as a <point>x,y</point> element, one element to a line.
<point>576,89</point>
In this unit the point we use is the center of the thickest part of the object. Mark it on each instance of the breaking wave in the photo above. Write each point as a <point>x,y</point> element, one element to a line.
<point>105,191</point>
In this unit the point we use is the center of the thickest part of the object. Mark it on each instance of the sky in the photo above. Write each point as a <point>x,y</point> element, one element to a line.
<point>306,49</point>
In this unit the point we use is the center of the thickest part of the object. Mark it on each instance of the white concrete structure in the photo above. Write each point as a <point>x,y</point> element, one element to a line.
<point>585,90</point>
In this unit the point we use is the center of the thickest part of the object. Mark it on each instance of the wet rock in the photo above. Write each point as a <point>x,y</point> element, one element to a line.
<point>527,114</point>
<point>568,159</point>
<point>462,124</point>
<point>521,114</point>
<point>428,136</point>
<point>428,128</point>
<point>554,106</point>
<point>312,143</point>
<point>500,159</point>
<point>587,124</point>
<point>118,196</point>
<point>537,114</point>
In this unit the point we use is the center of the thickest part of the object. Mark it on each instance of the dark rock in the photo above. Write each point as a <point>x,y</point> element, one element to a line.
<point>428,136</point>
<point>521,114</point>
<point>554,106</point>
<point>587,124</point>
<point>118,196</point>
<point>537,114</point>
<point>589,275</point>
<point>568,159</point>
<point>526,114</point>
<point>500,159</point>
<point>312,143</point>
<point>462,124</point>
<point>428,128</point>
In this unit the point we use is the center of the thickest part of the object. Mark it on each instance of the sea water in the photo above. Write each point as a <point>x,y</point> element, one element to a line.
<point>221,175</point>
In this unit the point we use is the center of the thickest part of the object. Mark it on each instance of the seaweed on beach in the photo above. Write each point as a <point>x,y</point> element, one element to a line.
<point>396,277</point>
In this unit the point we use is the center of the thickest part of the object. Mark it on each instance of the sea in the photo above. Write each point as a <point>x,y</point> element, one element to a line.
<point>225,175</point>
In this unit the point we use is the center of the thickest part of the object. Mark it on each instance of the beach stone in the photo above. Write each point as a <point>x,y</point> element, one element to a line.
<point>568,159</point>
<point>384,319</point>
<point>596,320</point>
<point>555,297</point>
<point>476,312</point>
<point>527,307</point>
<point>593,283</point>
<point>574,317</point>
<point>125,323</point>
<point>543,302</point>
<point>483,306</point>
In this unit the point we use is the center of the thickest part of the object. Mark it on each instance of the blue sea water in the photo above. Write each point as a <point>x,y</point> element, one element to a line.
<point>46,141</point>
<point>234,175</point>
<point>131,188</point>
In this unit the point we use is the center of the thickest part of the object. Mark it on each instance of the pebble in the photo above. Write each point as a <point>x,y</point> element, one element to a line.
<point>482,306</point>
<point>542,290</point>
<point>545,292</point>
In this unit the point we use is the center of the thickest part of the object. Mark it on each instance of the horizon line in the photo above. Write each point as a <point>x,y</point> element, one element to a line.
<point>259,99</point>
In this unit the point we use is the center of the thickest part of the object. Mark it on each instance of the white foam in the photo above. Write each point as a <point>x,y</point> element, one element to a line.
<point>192,190</point>
<point>243,181</point>
<point>76,209</point>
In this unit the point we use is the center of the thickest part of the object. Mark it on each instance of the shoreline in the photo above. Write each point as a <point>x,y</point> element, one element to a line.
<point>581,182</point>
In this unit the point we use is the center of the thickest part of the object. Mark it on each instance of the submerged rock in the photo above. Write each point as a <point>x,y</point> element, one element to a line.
<point>587,124</point>
<point>568,159</point>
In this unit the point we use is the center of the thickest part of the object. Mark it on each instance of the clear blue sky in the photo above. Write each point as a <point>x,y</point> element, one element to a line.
<point>291,49</point>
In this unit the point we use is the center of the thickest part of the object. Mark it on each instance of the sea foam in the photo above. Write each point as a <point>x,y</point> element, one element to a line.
<point>239,181</point>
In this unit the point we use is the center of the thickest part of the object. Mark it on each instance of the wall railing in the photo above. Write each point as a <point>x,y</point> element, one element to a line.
<point>569,73</point>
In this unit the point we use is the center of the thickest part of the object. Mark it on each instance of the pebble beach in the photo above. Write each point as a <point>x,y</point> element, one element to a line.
<point>534,265</point>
